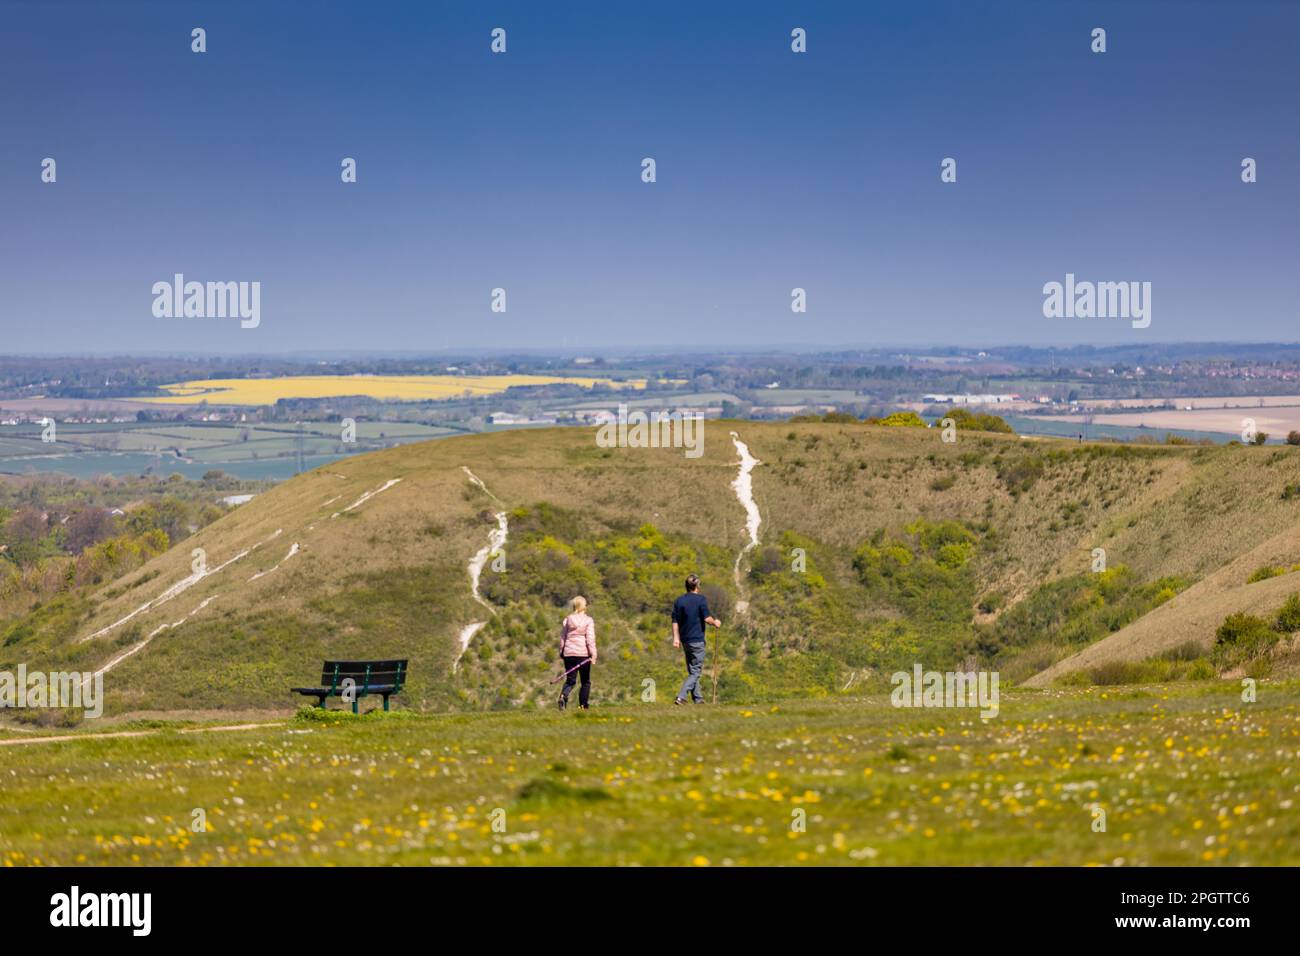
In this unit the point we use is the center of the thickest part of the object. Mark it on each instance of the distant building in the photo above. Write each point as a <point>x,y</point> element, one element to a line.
<point>986,399</point>
<point>508,418</point>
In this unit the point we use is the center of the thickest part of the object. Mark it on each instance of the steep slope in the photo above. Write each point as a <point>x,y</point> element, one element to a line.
<point>1194,615</point>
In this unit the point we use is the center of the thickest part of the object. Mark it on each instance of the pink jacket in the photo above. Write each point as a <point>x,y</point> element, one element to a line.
<point>578,636</point>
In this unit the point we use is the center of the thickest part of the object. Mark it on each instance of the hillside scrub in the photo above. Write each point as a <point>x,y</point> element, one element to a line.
<point>964,418</point>
<point>1073,612</point>
<point>1287,620</point>
<point>899,420</point>
<point>1242,639</point>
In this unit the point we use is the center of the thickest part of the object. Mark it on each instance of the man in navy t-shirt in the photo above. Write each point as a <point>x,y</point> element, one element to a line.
<point>690,614</point>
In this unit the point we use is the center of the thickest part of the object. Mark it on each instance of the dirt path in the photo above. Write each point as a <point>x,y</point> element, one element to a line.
<point>133,733</point>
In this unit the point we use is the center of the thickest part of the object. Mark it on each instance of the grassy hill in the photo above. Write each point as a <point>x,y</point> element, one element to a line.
<point>978,552</point>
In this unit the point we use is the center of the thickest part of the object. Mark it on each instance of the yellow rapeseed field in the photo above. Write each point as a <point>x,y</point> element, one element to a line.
<point>401,388</point>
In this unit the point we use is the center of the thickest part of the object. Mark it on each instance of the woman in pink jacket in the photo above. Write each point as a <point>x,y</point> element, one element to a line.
<point>577,646</point>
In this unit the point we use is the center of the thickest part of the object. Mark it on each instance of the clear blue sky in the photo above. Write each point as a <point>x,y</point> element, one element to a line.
<point>775,170</point>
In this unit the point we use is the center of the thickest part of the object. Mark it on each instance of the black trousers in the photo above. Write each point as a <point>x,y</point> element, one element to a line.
<point>585,672</point>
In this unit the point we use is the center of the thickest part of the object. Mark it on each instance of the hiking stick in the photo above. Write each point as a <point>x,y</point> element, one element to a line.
<point>717,641</point>
<point>556,680</point>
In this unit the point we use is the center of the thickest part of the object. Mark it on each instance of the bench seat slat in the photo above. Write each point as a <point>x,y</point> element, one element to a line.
<point>338,692</point>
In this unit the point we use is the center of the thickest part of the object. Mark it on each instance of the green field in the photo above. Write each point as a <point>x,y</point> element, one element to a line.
<point>1185,775</point>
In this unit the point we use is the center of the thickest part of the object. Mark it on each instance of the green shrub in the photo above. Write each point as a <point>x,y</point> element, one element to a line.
<point>964,418</point>
<point>899,420</point>
<point>1242,628</point>
<point>1242,638</point>
<point>1264,573</point>
<point>1288,615</point>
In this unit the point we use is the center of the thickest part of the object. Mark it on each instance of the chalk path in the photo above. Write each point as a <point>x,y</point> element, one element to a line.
<point>496,542</point>
<point>743,486</point>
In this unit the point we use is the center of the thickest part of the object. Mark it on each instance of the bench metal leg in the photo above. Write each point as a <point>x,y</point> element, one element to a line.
<point>385,702</point>
<point>320,702</point>
<point>355,702</point>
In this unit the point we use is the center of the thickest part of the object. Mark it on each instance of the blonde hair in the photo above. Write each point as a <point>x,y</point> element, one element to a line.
<point>579,604</point>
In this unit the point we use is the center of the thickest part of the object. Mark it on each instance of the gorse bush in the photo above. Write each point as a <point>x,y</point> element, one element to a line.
<point>964,418</point>
<point>1264,573</point>
<point>1243,628</point>
<point>926,576</point>
<point>555,555</point>
<point>899,420</point>
<point>1242,638</point>
<point>1288,615</point>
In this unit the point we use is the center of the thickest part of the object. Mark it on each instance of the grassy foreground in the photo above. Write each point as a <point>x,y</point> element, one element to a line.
<point>1186,775</point>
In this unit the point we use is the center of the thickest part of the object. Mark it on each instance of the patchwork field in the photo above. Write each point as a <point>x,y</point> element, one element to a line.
<point>402,388</point>
<point>1274,420</point>
<point>1183,775</point>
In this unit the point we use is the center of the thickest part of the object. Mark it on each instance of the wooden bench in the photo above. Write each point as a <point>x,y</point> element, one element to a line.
<point>368,677</point>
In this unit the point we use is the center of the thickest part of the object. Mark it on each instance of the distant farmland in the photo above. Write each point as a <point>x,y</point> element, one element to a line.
<point>398,388</point>
<point>255,450</point>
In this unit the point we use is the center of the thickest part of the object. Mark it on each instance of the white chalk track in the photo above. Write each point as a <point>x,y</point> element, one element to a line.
<point>743,486</point>
<point>496,542</point>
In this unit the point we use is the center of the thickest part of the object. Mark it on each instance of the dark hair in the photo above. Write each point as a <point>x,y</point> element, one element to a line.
<point>692,582</point>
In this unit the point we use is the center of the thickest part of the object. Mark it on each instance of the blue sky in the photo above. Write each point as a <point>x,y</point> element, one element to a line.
<point>522,171</point>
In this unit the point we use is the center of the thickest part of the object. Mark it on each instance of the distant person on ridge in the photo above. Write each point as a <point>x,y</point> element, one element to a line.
<point>690,614</point>
<point>578,651</point>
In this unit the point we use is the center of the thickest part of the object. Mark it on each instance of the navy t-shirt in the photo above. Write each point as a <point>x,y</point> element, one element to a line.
<point>689,611</point>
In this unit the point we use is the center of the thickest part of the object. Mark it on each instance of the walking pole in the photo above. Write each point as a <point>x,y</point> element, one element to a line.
<point>717,641</point>
<point>556,680</point>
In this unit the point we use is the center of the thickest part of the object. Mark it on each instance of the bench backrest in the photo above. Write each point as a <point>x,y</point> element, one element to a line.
<point>367,674</point>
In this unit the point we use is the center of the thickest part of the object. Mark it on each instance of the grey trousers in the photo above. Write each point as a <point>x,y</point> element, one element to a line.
<point>694,653</point>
